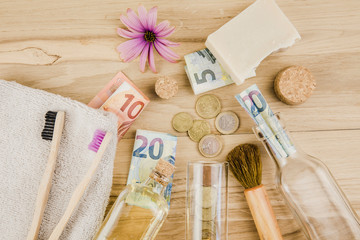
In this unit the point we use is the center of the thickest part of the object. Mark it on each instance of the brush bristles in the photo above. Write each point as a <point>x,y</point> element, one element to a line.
<point>97,140</point>
<point>48,131</point>
<point>245,163</point>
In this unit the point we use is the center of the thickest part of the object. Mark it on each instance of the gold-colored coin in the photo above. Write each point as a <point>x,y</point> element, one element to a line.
<point>208,225</point>
<point>227,122</point>
<point>206,214</point>
<point>199,129</point>
<point>208,235</point>
<point>210,145</point>
<point>182,122</point>
<point>209,195</point>
<point>208,106</point>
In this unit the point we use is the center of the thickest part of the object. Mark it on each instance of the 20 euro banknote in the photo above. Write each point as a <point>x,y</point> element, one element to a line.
<point>149,147</point>
<point>252,100</point>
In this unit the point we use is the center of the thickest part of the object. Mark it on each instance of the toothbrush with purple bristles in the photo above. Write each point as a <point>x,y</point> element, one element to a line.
<point>99,144</point>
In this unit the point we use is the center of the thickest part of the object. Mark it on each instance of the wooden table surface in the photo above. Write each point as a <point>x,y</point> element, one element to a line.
<point>68,48</point>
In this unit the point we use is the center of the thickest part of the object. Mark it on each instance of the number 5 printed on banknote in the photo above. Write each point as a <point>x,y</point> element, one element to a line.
<point>204,72</point>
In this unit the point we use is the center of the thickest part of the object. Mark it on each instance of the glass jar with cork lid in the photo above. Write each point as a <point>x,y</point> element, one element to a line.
<point>140,210</point>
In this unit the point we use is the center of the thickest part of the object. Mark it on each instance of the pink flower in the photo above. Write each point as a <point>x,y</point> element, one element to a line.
<point>144,36</point>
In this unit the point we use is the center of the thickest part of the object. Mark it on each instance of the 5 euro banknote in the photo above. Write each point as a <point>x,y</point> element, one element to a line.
<point>204,72</point>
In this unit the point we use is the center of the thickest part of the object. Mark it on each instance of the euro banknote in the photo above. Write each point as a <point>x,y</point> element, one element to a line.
<point>204,72</point>
<point>123,98</point>
<point>149,147</point>
<point>256,106</point>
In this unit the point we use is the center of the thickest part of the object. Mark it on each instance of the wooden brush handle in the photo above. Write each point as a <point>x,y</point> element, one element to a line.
<point>45,183</point>
<point>262,213</point>
<point>80,189</point>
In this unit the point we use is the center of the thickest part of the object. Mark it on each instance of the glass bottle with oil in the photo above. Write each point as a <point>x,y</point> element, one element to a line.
<point>140,210</point>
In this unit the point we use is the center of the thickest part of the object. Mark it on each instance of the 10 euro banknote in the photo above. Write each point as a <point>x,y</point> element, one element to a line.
<point>149,147</point>
<point>204,72</point>
<point>123,98</point>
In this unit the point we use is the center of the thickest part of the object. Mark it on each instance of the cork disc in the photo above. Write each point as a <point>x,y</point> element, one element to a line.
<point>166,87</point>
<point>294,85</point>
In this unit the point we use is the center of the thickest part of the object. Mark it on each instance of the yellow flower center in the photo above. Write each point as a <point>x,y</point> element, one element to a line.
<point>149,36</point>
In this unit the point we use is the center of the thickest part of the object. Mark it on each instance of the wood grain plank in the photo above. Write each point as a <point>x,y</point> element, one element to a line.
<point>68,48</point>
<point>341,161</point>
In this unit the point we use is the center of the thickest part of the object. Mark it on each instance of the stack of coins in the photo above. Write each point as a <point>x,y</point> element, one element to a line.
<point>207,106</point>
<point>208,215</point>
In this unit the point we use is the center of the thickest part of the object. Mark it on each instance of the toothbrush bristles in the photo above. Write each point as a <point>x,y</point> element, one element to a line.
<point>48,131</point>
<point>97,140</point>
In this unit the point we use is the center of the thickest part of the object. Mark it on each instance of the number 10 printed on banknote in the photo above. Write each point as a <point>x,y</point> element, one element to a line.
<point>123,98</point>
<point>149,147</point>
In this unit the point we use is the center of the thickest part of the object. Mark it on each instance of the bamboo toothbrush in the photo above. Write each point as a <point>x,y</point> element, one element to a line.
<point>54,125</point>
<point>245,163</point>
<point>99,144</point>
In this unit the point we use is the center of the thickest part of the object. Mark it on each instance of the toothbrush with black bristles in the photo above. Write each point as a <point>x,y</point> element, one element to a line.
<point>99,144</point>
<point>54,125</point>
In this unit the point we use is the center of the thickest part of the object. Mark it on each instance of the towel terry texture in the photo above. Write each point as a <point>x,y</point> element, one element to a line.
<point>23,156</point>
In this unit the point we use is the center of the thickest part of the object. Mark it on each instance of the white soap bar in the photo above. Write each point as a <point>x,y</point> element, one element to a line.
<point>243,42</point>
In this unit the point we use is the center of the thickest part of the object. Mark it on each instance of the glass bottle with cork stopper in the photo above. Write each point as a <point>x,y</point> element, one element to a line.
<point>140,210</point>
<point>311,192</point>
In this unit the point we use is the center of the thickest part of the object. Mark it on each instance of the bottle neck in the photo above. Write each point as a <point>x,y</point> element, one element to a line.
<point>280,161</point>
<point>157,182</point>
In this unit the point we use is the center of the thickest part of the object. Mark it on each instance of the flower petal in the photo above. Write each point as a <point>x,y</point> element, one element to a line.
<point>135,52</point>
<point>167,42</point>
<point>165,52</point>
<point>143,16</point>
<point>151,18</point>
<point>134,19</point>
<point>161,26</point>
<point>166,32</point>
<point>126,48</point>
<point>151,58</point>
<point>130,25</point>
<point>143,57</point>
<point>128,34</point>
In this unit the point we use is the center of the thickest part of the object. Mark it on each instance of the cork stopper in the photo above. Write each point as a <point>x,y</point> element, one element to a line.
<point>210,176</point>
<point>294,85</point>
<point>164,168</point>
<point>166,87</point>
<point>162,172</point>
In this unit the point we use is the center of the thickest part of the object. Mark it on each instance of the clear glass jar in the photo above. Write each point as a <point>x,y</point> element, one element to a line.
<point>206,201</point>
<point>138,212</point>
<point>311,192</point>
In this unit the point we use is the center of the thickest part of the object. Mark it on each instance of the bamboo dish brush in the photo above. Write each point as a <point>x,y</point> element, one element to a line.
<point>245,164</point>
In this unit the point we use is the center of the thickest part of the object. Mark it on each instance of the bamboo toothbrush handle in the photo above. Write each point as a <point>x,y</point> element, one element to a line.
<point>262,213</point>
<point>45,183</point>
<point>80,189</point>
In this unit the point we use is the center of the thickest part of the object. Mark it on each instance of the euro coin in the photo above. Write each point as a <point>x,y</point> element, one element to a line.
<point>208,225</point>
<point>199,129</point>
<point>227,122</point>
<point>182,122</point>
<point>208,106</point>
<point>208,213</point>
<point>208,235</point>
<point>209,195</point>
<point>210,145</point>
